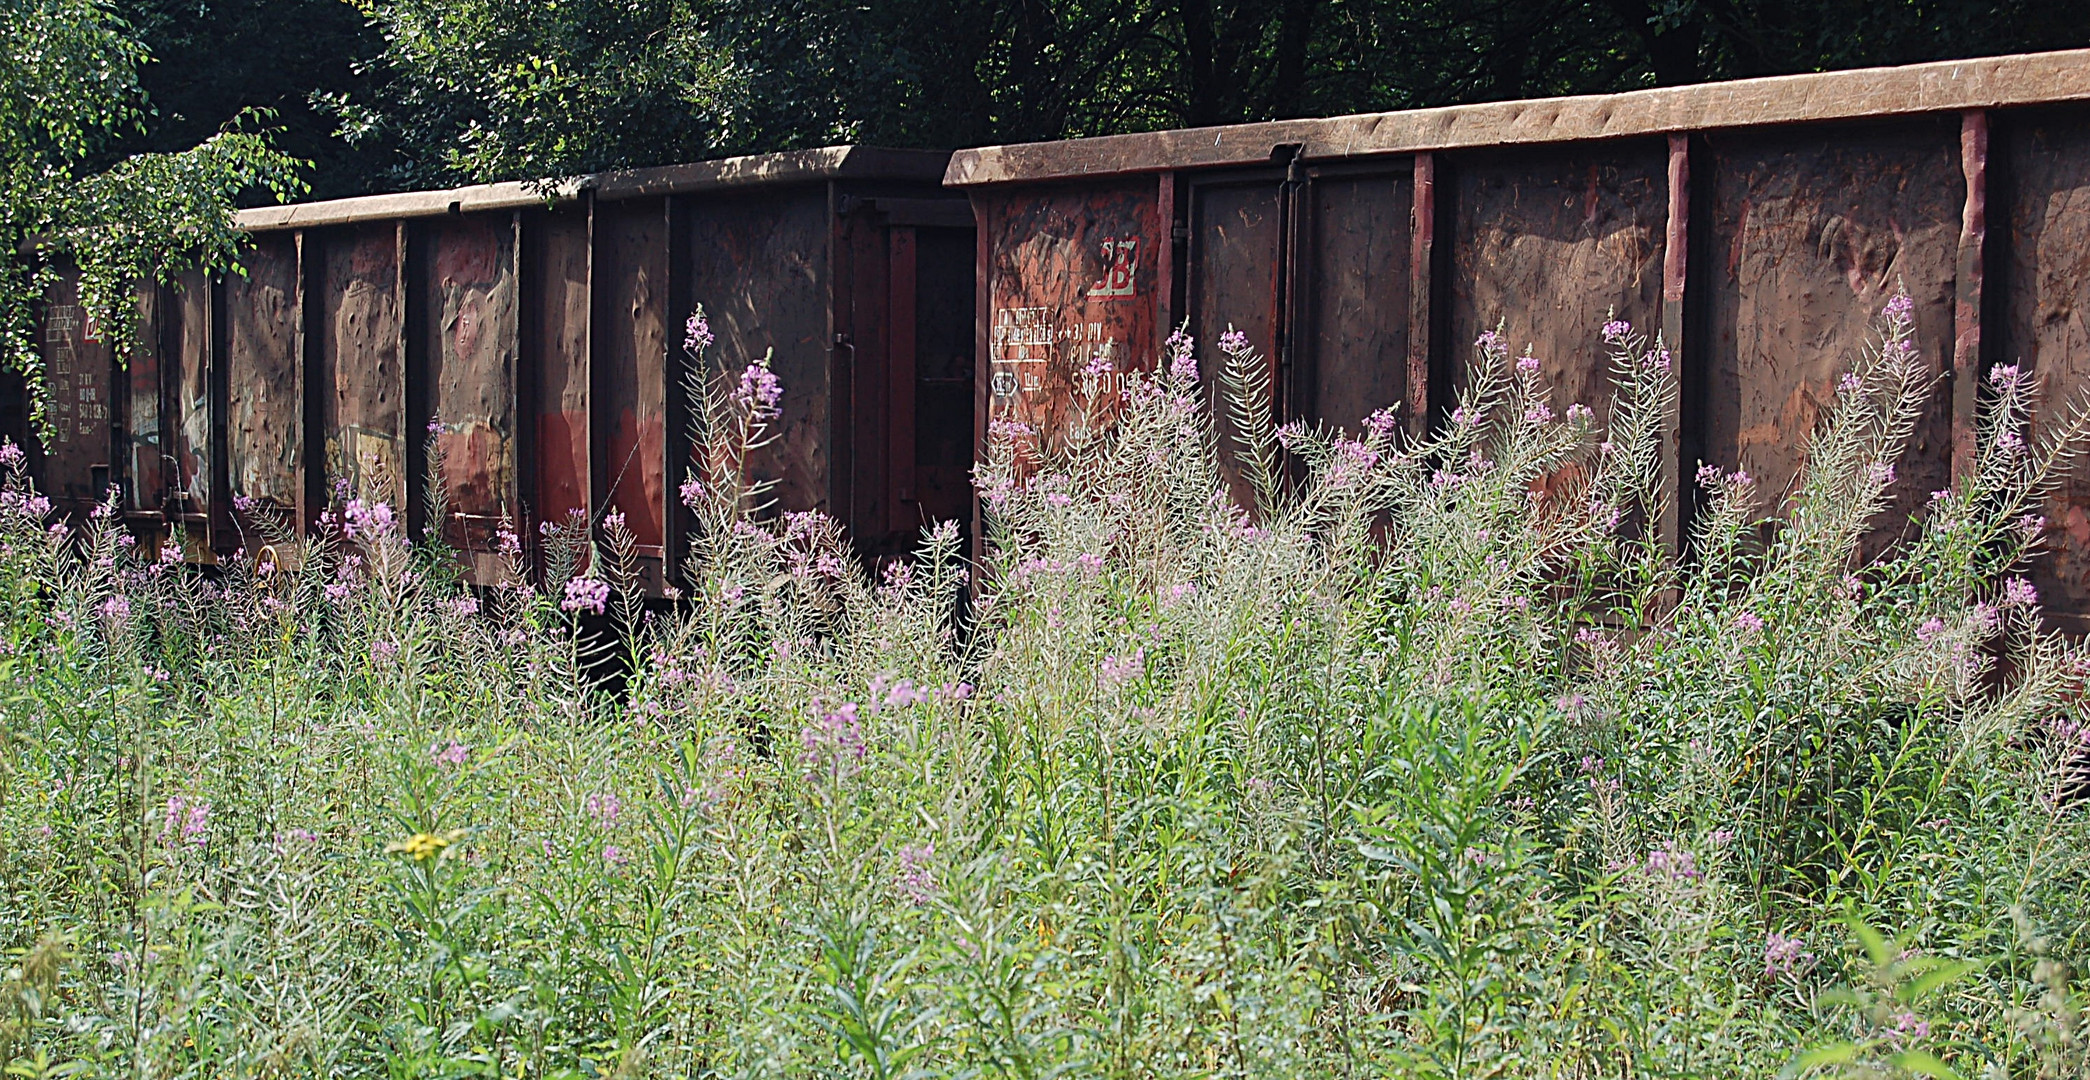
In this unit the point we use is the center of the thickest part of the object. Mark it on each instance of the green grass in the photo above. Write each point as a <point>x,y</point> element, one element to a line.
<point>1403,771</point>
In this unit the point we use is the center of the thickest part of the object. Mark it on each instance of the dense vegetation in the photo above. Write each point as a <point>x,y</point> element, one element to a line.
<point>1430,763</point>
<point>68,86</point>
<point>432,91</point>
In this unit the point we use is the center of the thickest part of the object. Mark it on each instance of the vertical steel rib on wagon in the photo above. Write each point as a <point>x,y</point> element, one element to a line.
<point>533,339</point>
<point>1758,226</point>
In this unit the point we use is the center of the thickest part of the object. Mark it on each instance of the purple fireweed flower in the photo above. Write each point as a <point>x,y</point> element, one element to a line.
<point>1908,1028</point>
<point>916,881</point>
<point>11,455</point>
<point>1578,413</point>
<point>1931,629</point>
<point>834,744</point>
<point>759,390</point>
<point>1850,383</point>
<point>507,542</point>
<point>1182,361</point>
<point>1748,623</point>
<point>367,521</point>
<point>1115,671</point>
<point>1233,341</point>
<point>170,553</point>
<point>116,609</point>
<point>1880,472</point>
<point>465,606</point>
<point>2010,443</point>
<point>1659,359</point>
<point>613,855</point>
<point>1984,616</point>
<point>2031,525</point>
<point>338,591</point>
<point>1899,306</point>
<point>1617,330</point>
<point>2004,376</point>
<point>435,425</point>
<point>385,650</point>
<point>586,594</point>
<point>1382,423</point>
<point>1464,417</point>
<point>604,807</point>
<point>1538,413</point>
<point>1673,861</point>
<point>1786,956</point>
<point>187,820</point>
<point>696,333</point>
<point>449,756</point>
<point>2020,592</point>
<point>245,504</point>
<point>692,492</point>
<point>1488,341</point>
<point>1528,364</point>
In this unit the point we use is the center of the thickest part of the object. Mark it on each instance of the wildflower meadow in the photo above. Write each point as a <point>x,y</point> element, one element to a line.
<point>1412,757</point>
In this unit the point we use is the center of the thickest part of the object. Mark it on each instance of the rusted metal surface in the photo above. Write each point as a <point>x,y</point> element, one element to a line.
<point>1071,277</point>
<point>1351,347</point>
<point>2044,276</point>
<point>77,368</point>
<point>1944,87</point>
<point>1810,233</point>
<point>555,347</point>
<point>468,312</point>
<point>627,370</point>
<point>1547,245</point>
<point>190,340</point>
<point>145,474</point>
<point>1970,273</point>
<point>943,380</point>
<point>361,360</point>
<point>758,266</point>
<point>265,376</point>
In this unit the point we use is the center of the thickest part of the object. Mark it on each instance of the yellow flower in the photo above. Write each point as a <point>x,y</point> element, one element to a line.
<point>424,846</point>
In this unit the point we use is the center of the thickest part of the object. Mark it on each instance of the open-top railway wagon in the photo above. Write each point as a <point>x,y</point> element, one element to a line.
<point>1758,226</point>
<point>537,336</point>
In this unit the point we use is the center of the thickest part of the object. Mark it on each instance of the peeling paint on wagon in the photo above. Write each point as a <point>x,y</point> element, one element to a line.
<point>265,375</point>
<point>2044,282</point>
<point>362,375</point>
<point>1072,280</point>
<point>1550,245</point>
<point>469,322</point>
<point>1811,232</point>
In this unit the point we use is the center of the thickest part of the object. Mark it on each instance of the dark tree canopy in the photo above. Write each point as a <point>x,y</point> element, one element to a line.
<point>437,91</point>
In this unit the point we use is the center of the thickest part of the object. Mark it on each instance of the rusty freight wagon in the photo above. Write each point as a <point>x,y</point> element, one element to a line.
<point>538,336</point>
<point>1757,225</point>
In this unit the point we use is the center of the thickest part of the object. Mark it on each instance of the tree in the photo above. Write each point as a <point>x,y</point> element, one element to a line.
<point>68,83</point>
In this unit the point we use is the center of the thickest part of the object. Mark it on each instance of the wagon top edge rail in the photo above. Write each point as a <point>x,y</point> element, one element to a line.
<point>788,167</point>
<point>1942,86</point>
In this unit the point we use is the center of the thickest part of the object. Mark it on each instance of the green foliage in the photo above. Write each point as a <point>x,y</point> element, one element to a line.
<point>504,89</point>
<point>1400,770</point>
<point>70,84</point>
